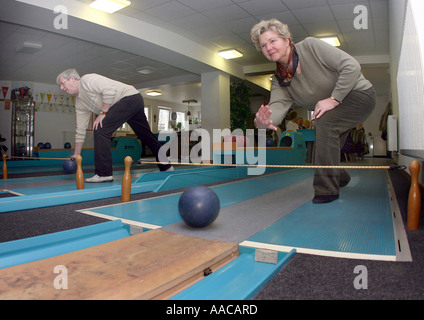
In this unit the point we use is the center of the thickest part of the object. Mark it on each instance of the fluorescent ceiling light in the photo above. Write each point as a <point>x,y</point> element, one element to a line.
<point>109,6</point>
<point>334,41</point>
<point>154,93</point>
<point>230,54</point>
<point>29,47</point>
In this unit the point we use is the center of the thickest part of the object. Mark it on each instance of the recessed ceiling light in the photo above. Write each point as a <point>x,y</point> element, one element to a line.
<point>109,6</point>
<point>334,41</point>
<point>154,93</point>
<point>230,54</point>
<point>145,71</point>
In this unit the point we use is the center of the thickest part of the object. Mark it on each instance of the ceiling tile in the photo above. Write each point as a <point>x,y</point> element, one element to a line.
<point>241,25</point>
<point>202,5</point>
<point>194,21</point>
<point>379,9</point>
<point>359,36</point>
<point>286,17</point>
<point>226,13</point>
<point>170,11</point>
<point>314,14</point>
<point>323,28</point>
<point>302,4</point>
<point>256,7</point>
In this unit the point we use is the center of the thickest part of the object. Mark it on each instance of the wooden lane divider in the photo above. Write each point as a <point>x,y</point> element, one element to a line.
<point>151,265</point>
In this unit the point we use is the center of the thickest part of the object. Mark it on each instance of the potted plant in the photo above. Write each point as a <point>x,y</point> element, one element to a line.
<point>239,106</point>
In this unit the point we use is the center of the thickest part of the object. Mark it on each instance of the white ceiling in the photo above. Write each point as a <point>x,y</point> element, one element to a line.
<point>213,24</point>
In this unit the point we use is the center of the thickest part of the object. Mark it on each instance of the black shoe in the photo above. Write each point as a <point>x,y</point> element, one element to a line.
<point>344,183</point>
<point>325,199</point>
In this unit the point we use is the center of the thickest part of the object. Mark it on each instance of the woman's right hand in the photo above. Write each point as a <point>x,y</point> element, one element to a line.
<point>262,118</point>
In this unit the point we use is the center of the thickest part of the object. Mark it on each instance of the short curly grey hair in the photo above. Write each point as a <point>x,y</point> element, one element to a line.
<point>67,74</point>
<point>275,25</point>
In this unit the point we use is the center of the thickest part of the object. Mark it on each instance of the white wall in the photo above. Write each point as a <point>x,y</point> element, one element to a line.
<point>410,81</point>
<point>52,117</point>
<point>397,11</point>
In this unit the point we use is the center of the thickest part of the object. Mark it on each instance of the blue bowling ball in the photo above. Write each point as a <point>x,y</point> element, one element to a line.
<point>199,206</point>
<point>40,145</point>
<point>269,142</point>
<point>69,166</point>
<point>47,145</point>
<point>67,145</point>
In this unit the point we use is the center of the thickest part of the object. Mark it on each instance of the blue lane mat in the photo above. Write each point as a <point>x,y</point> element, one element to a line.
<point>60,198</point>
<point>163,211</point>
<point>360,222</point>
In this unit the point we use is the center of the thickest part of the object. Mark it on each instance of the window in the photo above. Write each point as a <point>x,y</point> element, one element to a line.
<point>124,128</point>
<point>164,117</point>
<point>147,113</point>
<point>181,117</point>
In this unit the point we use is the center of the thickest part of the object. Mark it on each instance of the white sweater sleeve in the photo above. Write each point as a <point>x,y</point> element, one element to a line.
<point>82,121</point>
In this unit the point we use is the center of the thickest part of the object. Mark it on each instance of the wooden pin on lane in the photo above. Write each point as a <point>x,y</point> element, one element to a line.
<point>4,167</point>
<point>126,180</point>
<point>79,174</point>
<point>414,199</point>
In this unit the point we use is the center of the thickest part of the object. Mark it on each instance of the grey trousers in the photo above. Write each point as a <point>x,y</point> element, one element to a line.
<point>331,131</point>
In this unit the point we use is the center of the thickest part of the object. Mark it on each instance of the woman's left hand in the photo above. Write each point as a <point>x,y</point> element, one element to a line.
<point>323,106</point>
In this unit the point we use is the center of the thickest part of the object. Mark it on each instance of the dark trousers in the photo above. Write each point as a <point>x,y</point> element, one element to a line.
<point>331,131</point>
<point>131,110</point>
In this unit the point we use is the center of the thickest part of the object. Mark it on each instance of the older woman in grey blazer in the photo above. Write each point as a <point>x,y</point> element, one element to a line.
<point>320,78</point>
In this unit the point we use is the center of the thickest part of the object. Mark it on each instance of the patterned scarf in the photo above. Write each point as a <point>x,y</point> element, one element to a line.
<point>285,74</point>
